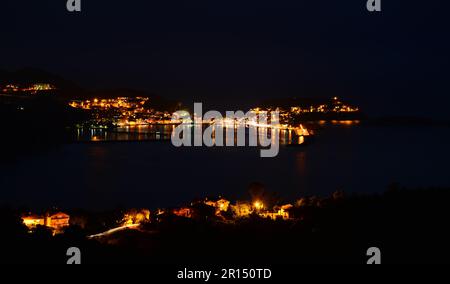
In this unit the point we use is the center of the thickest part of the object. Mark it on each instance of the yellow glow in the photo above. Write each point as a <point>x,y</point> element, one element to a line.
<point>258,205</point>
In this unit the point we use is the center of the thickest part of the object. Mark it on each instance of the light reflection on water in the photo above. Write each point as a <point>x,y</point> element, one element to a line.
<point>164,133</point>
<point>133,133</point>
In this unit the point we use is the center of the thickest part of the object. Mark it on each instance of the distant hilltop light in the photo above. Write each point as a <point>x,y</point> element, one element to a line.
<point>295,110</point>
<point>27,89</point>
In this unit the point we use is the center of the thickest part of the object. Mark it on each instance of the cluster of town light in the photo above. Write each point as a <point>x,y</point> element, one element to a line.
<point>334,106</point>
<point>118,103</point>
<point>123,111</point>
<point>29,89</point>
<point>239,210</point>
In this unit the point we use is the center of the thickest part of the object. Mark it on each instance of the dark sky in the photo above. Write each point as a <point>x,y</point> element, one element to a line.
<point>234,53</point>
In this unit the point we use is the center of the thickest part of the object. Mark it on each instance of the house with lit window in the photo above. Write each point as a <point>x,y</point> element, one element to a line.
<point>32,221</point>
<point>57,221</point>
<point>183,212</point>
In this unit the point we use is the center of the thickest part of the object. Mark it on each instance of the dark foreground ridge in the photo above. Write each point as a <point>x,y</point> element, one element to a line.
<point>408,226</point>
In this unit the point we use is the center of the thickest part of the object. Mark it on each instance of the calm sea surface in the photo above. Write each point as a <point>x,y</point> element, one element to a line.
<point>356,158</point>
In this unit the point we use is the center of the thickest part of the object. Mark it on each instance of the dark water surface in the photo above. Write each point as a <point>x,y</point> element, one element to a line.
<point>99,176</point>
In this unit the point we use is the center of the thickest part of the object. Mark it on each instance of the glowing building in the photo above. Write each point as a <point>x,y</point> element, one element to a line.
<point>57,221</point>
<point>136,217</point>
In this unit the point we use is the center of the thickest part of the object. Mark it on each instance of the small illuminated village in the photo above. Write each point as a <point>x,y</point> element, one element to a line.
<point>215,210</point>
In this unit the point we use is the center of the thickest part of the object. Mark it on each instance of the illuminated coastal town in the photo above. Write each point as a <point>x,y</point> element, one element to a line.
<point>125,111</point>
<point>132,114</point>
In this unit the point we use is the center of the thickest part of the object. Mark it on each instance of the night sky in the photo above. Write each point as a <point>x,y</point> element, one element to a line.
<point>235,53</point>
